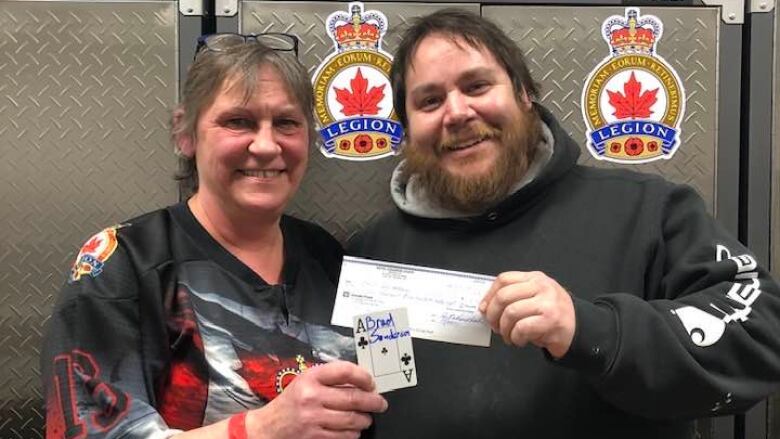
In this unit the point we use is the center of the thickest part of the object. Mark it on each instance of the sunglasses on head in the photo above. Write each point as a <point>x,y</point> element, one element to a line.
<point>221,42</point>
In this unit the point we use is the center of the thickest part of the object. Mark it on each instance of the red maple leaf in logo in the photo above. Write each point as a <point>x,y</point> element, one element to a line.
<point>359,101</point>
<point>91,245</point>
<point>633,102</point>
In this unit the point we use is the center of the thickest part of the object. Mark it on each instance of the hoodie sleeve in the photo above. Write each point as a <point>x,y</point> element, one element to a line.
<point>92,362</point>
<point>707,339</point>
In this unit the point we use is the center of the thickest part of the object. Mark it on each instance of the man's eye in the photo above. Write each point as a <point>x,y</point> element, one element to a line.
<point>429,103</point>
<point>239,123</point>
<point>477,87</point>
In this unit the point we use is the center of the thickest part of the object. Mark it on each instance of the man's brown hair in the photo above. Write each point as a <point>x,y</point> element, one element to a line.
<point>476,31</point>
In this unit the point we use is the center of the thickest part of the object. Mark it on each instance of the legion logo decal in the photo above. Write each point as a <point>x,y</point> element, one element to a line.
<point>633,102</point>
<point>94,254</point>
<point>285,377</point>
<point>353,100</point>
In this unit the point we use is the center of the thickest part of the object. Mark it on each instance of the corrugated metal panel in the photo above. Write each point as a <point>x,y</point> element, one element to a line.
<point>775,230</point>
<point>340,195</point>
<point>774,403</point>
<point>563,45</point>
<point>85,95</point>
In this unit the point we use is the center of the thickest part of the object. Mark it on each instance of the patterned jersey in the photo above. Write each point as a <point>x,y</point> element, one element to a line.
<point>160,329</point>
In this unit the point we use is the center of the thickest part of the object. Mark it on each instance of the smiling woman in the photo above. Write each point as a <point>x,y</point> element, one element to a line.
<point>189,321</point>
<point>250,154</point>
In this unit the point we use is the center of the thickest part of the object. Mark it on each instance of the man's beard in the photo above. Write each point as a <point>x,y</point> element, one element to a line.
<point>517,144</point>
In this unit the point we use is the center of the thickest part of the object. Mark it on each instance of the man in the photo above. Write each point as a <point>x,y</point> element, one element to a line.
<point>625,310</point>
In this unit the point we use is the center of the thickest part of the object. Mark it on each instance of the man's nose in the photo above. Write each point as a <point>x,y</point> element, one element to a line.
<point>457,109</point>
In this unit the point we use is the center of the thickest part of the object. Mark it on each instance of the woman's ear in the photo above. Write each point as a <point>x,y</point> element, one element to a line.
<point>185,144</point>
<point>525,100</point>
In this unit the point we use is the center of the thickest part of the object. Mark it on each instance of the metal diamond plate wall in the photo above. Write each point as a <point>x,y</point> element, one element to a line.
<point>775,224</point>
<point>340,195</point>
<point>773,429</point>
<point>563,44</point>
<point>85,95</point>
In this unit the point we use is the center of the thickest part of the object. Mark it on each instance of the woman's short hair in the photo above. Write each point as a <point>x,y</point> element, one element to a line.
<point>476,31</point>
<point>238,64</point>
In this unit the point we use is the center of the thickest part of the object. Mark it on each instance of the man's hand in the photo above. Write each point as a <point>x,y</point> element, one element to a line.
<point>529,307</point>
<point>333,400</point>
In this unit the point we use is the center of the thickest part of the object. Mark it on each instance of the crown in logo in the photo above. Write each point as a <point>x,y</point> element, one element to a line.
<point>357,31</point>
<point>632,34</point>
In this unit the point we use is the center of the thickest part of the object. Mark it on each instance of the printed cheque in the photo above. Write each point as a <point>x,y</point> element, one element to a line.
<point>442,304</point>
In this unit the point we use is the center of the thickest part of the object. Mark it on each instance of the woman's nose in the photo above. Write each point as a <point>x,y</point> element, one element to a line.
<point>264,142</point>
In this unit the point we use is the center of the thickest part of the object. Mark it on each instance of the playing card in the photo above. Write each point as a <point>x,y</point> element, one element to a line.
<point>383,343</point>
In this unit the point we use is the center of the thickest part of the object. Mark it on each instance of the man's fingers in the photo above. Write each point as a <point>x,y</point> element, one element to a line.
<point>528,330</point>
<point>488,297</point>
<point>352,399</point>
<point>338,420</point>
<point>515,313</point>
<point>505,297</point>
<point>502,280</point>
<point>339,373</point>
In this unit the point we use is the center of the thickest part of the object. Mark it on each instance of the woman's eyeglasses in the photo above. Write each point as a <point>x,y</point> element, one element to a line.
<point>224,41</point>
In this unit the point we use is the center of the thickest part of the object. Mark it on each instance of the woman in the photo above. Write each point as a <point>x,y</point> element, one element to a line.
<point>197,317</point>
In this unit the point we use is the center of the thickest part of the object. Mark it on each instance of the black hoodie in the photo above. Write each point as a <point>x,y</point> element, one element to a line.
<point>674,320</point>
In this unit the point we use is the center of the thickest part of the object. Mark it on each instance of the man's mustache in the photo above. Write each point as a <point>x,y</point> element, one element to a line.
<point>476,130</point>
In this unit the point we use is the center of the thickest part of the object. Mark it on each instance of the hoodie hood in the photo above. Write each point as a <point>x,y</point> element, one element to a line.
<point>556,154</point>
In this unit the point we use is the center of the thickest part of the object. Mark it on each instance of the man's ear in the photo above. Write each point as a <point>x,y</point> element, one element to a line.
<point>185,144</point>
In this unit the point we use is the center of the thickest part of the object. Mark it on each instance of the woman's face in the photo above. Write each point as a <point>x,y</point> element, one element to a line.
<point>251,156</point>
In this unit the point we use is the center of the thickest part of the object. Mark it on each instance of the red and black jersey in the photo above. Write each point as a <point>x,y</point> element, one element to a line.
<point>160,329</point>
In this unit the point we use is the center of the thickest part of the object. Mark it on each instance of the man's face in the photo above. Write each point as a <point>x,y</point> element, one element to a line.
<point>469,133</point>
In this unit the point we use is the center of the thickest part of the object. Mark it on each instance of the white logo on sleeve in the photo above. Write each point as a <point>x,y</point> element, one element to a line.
<point>706,328</point>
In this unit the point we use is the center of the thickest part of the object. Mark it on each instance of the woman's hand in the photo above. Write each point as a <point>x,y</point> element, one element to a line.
<point>333,400</point>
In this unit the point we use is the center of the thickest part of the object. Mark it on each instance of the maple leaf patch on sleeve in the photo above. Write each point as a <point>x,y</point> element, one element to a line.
<point>92,245</point>
<point>360,101</point>
<point>633,103</point>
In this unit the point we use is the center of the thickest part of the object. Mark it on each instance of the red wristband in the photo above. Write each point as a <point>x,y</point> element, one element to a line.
<point>237,426</point>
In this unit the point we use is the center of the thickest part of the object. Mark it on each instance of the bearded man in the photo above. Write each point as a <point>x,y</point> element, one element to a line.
<point>601,275</point>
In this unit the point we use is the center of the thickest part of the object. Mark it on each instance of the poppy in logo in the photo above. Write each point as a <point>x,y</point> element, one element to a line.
<point>353,100</point>
<point>94,254</point>
<point>633,102</point>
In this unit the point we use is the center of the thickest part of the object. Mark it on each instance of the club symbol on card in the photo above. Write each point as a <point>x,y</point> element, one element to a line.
<point>406,359</point>
<point>384,350</point>
<point>363,343</point>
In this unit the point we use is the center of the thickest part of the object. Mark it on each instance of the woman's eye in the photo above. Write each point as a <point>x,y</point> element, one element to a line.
<point>239,123</point>
<point>288,124</point>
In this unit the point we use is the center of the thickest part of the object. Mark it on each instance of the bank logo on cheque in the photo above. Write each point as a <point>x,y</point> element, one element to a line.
<point>353,100</point>
<point>633,101</point>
